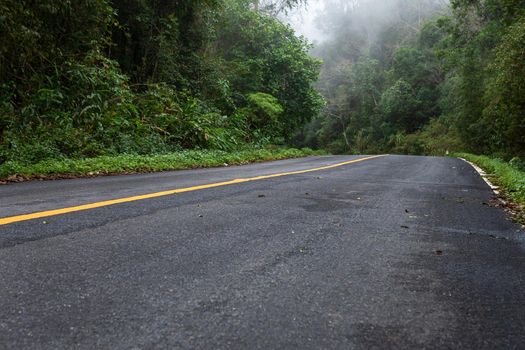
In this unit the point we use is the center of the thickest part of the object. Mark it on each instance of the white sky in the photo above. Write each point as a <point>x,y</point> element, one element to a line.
<point>303,20</point>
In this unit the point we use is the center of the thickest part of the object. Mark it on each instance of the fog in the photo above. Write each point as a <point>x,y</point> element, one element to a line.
<point>304,21</point>
<point>321,20</point>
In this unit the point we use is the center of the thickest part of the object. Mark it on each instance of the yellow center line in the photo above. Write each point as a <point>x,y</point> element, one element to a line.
<point>48,213</point>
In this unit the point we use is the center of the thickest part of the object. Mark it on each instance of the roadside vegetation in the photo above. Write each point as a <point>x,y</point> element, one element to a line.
<point>510,175</point>
<point>86,86</point>
<point>133,163</point>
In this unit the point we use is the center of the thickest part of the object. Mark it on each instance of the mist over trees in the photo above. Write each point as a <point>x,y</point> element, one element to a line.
<point>421,77</point>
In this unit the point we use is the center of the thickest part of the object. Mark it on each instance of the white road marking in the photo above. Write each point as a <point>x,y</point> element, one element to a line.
<point>484,176</point>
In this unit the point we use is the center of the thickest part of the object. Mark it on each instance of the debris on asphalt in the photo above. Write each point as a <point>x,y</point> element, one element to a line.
<point>514,210</point>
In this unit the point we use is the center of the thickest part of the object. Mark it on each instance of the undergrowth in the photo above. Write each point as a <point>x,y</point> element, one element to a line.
<point>133,163</point>
<point>510,176</point>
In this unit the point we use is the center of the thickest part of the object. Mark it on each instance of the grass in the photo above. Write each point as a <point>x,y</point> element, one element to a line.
<point>127,163</point>
<point>509,177</point>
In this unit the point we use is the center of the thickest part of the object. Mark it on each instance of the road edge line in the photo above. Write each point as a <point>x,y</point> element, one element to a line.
<point>483,175</point>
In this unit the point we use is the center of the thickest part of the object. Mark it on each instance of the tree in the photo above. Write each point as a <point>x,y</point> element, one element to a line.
<point>263,55</point>
<point>504,113</point>
<point>401,107</point>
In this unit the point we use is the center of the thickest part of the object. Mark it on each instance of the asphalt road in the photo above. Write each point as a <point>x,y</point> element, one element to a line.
<point>390,253</point>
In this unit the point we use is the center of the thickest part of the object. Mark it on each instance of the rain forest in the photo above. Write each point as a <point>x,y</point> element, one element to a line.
<point>83,79</point>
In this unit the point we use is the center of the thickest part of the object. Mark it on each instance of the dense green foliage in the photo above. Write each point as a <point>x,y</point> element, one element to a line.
<point>104,77</point>
<point>487,42</point>
<point>423,77</point>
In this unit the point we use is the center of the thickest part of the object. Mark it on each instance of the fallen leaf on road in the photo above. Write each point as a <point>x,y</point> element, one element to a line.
<point>439,252</point>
